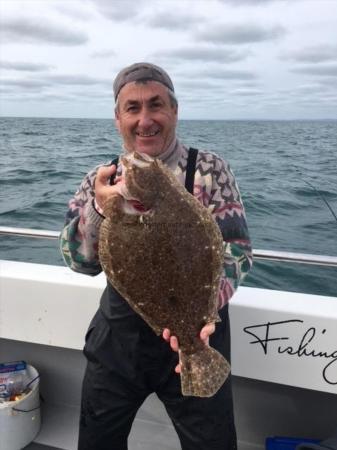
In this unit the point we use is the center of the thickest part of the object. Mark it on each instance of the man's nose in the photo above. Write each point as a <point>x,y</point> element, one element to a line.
<point>145,118</point>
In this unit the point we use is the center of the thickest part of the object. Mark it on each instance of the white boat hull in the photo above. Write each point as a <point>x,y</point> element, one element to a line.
<point>284,357</point>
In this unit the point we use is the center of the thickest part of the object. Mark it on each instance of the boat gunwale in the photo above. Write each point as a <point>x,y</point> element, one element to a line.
<point>258,254</point>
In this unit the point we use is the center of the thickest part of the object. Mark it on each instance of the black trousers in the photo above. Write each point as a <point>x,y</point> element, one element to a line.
<point>126,363</point>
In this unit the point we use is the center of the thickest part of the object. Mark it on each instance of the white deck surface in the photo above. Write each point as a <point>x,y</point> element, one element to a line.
<point>45,312</point>
<point>271,330</point>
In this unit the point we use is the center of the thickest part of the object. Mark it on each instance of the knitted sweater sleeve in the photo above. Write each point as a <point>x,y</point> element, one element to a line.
<point>227,209</point>
<point>79,237</point>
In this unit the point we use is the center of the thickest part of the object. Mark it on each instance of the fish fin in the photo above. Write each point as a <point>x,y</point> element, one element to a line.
<point>203,372</point>
<point>214,317</point>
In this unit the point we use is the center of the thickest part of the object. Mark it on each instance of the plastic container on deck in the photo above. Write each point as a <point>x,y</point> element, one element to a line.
<point>287,443</point>
<point>20,420</point>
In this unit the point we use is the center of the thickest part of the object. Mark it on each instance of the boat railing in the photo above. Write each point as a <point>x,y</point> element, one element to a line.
<point>264,255</point>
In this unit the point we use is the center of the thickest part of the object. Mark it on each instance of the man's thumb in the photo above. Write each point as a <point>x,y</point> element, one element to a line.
<point>105,172</point>
<point>111,169</point>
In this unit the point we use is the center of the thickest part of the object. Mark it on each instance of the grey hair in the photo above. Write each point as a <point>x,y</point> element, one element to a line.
<point>173,98</point>
<point>171,94</point>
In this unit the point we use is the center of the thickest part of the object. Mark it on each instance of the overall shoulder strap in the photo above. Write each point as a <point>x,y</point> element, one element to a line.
<point>190,169</point>
<point>115,163</point>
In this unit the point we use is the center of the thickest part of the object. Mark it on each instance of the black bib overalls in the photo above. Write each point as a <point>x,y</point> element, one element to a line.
<point>127,361</point>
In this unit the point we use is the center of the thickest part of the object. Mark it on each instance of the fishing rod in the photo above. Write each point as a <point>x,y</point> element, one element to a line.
<point>318,193</point>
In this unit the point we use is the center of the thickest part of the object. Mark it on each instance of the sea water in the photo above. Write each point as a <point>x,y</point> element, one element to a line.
<point>286,171</point>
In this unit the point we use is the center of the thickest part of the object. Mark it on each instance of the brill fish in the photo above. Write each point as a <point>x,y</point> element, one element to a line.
<point>163,252</point>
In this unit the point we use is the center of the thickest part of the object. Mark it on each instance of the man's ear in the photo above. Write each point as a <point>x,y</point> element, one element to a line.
<point>176,112</point>
<point>117,121</point>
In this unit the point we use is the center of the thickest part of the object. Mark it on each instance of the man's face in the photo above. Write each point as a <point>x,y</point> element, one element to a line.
<point>145,117</point>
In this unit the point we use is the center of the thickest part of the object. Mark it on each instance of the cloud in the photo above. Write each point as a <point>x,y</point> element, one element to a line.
<point>309,89</point>
<point>196,85</point>
<point>328,82</point>
<point>56,81</point>
<point>224,74</point>
<point>26,30</point>
<point>211,89</point>
<point>24,83</point>
<point>320,70</point>
<point>239,34</point>
<point>187,89</point>
<point>118,10</point>
<point>214,54</point>
<point>248,84</point>
<point>105,95</point>
<point>24,66</point>
<point>38,96</point>
<point>78,80</point>
<point>172,21</point>
<point>103,53</point>
<point>70,9</point>
<point>316,54</point>
<point>247,92</point>
<point>250,2</point>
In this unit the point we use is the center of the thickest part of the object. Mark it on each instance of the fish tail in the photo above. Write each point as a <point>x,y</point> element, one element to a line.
<point>203,372</point>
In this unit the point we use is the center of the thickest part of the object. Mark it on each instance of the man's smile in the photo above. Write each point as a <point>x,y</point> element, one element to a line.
<point>147,134</point>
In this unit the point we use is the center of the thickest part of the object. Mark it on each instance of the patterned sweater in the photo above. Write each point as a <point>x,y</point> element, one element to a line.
<point>214,186</point>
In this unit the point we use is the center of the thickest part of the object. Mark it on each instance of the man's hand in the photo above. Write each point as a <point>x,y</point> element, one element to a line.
<point>205,333</point>
<point>103,190</point>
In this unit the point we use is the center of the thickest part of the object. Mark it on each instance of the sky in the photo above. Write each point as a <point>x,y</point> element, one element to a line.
<point>228,59</point>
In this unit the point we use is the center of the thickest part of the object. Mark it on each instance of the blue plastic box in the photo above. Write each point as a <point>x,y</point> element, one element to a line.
<point>287,443</point>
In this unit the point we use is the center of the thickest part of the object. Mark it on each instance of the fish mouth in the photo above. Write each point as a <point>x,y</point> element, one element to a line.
<point>138,206</point>
<point>130,204</point>
<point>135,208</point>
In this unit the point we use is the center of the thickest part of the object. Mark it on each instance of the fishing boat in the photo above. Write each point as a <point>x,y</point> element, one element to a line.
<point>284,354</point>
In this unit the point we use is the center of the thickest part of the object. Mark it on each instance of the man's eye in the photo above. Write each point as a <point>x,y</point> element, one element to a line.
<point>131,108</point>
<point>156,105</point>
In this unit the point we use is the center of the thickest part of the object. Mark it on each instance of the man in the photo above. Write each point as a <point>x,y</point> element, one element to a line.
<point>126,360</point>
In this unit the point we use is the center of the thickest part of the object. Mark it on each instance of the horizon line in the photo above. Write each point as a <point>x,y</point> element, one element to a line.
<point>326,119</point>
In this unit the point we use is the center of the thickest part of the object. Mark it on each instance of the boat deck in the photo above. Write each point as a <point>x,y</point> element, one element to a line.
<point>151,430</point>
<point>288,393</point>
<point>40,447</point>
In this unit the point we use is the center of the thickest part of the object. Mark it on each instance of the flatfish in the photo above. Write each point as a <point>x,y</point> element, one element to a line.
<point>163,252</point>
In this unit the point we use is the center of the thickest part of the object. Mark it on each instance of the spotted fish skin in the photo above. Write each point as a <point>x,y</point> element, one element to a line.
<point>167,263</point>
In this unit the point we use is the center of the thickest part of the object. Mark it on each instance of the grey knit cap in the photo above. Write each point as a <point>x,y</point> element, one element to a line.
<point>141,71</point>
